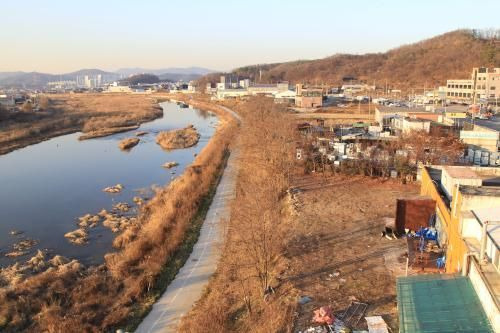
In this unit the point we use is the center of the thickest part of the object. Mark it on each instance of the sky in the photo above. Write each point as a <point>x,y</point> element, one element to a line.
<point>59,36</point>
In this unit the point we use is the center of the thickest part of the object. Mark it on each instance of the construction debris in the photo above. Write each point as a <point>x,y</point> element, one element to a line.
<point>376,324</point>
<point>323,315</point>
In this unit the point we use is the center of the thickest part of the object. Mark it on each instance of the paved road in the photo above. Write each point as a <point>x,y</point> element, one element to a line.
<point>193,277</point>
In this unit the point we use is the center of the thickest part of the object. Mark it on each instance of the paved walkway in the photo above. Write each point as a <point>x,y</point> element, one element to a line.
<point>193,277</point>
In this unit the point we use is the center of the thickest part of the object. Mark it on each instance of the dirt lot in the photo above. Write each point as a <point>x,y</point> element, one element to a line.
<point>338,254</point>
<point>69,113</point>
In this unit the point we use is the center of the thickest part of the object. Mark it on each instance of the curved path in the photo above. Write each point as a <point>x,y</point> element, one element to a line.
<point>193,277</point>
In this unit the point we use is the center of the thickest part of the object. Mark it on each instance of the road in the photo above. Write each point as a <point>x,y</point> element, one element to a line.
<point>193,277</point>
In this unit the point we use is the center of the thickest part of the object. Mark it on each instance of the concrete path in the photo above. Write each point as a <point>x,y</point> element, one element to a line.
<point>193,277</point>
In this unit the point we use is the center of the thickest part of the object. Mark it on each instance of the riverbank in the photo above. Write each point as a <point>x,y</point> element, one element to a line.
<point>108,296</point>
<point>95,115</point>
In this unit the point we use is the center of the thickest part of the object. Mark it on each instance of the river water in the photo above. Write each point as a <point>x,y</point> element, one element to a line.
<point>45,187</point>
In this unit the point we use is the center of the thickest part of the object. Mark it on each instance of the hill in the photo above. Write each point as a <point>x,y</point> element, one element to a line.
<point>195,71</point>
<point>39,80</point>
<point>140,78</point>
<point>429,62</point>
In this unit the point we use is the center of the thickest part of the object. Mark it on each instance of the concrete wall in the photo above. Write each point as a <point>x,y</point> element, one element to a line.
<point>471,228</point>
<point>308,102</point>
<point>449,183</point>
<point>489,305</point>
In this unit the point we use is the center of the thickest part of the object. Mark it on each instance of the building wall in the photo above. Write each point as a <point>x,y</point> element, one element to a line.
<point>482,137</point>
<point>409,126</point>
<point>460,90</point>
<point>449,222</point>
<point>484,295</point>
<point>308,102</point>
<point>470,228</point>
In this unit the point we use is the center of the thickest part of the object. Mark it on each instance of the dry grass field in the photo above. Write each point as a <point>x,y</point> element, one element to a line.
<point>337,254</point>
<point>92,114</point>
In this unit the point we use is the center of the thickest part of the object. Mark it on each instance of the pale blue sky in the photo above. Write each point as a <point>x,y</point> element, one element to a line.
<point>59,35</point>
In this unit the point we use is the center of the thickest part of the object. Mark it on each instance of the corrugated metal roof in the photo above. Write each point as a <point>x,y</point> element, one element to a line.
<point>439,303</point>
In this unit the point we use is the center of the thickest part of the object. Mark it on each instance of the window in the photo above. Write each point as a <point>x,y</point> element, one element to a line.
<point>460,95</point>
<point>492,87</point>
<point>449,86</point>
<point>468,95</point>
<point>448,93</point>
<point>469,86</point>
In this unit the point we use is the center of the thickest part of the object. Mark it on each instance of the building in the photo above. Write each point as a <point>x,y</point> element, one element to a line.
<point>65,84</point>
<point>458,189</point>
<point>460,91</point>
<point>287,96</point>
<point>405,125</point>
<point>231,93</point>
<point>353,89</point>
<point>384,114</point>
<point>308,97</point>
<point>467,222</point>
<point>486,83</point>
<point>116,88</point>
<point>7,100</point>
<point>482,87</point>
<point>482,135</point>
<point>267,89</point>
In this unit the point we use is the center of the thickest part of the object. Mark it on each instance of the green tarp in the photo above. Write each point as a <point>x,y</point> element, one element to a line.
<point>439,303</point>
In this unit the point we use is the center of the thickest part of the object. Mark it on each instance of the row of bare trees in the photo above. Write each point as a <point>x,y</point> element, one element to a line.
<point>247,280</point>
<point>402,155</point>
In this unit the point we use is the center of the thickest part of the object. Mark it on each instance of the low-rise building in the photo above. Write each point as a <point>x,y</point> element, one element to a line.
<point>482,134</point>
<point>267,89</point>
<point>405,125</point>
<point>287,96</point>
<point>460,91</point>
<point>467,222</point>
<point>231,93</point>
<point>308,97</point>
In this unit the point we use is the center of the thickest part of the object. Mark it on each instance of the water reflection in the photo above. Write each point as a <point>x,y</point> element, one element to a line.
<point>44,188</point>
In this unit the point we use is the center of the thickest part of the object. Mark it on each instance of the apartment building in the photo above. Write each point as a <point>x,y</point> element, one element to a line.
<point>483,86</point>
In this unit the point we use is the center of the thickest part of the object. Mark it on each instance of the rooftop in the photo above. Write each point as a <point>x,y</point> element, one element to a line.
<point>394,109</point>
<point>461,172</point>
<point>487,191</point>
<point>439,303</point>
<point>492,124</point>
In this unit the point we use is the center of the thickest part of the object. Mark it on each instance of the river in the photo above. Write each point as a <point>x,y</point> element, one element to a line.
<point>45,187</point>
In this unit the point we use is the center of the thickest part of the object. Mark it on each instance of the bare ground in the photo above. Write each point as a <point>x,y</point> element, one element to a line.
<point>337,254</point>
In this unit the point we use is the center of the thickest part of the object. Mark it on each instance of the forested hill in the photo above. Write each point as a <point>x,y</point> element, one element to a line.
<point>429,62</point>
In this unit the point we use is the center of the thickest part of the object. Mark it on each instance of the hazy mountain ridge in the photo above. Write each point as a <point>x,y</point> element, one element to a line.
<point>38,80</point>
